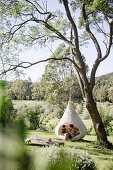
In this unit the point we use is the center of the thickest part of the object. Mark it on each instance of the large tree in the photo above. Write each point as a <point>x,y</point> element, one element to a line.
<point>29,22</point>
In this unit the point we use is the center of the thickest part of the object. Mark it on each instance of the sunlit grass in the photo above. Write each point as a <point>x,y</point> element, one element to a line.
<point>31,103</point>
<point>102,157</point>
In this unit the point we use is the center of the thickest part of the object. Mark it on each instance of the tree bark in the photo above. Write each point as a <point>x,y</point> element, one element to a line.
<point>95,116</point>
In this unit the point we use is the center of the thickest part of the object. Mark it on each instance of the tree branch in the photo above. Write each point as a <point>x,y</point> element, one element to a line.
<point>99,53</point>
<point>42,13</point>
<point>74,28</point>
<point>29,64</point>
<point>110,43</point>
<point>72,23</point>
<point>51,28</point>
<point>11,32</point>
<point>106,19</point>
<point>97,62</point>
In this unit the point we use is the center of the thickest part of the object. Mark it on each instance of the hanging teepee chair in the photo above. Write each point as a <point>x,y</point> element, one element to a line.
<point>70,117</point>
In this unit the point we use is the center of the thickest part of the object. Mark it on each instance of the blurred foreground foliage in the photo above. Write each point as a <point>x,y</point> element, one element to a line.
<point>7,111</point>
<point>12,153</point>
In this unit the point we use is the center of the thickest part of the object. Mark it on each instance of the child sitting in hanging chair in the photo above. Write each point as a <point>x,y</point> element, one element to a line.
<point>64,132</point>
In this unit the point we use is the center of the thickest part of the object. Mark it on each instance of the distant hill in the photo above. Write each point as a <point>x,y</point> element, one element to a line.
<point>105,76</point>
<point>106,79</point>
<point>103,90</point>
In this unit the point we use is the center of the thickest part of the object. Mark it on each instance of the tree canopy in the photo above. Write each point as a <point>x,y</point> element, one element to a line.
<point>29,22</point>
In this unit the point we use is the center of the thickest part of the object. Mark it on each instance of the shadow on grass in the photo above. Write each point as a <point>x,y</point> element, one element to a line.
<point>84,141</point>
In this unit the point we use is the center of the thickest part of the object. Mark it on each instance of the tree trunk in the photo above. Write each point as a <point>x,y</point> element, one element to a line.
<point>95,116</point>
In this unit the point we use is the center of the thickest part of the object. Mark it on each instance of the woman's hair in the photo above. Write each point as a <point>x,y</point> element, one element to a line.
<point>71,125</point>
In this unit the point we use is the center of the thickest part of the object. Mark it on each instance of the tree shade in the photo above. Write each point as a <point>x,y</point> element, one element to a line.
<point>70,116</point>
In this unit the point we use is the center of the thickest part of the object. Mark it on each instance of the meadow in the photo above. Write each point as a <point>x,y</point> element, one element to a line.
<point>102,156</point>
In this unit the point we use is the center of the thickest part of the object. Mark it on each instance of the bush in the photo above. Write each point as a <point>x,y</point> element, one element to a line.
<point>51,124</point>
<point>79,108</point>
<point>91,131</point>
<point>48,122</point>
<point>22,110</point>
<point>107,120</point>
<point>86,114</point>
<point>7,111</point>
<point>64,159</point>
<point>33,116</point>
<point>60,113</point>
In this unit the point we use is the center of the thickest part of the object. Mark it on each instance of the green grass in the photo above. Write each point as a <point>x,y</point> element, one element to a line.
<point>102,157</point>
<point>28,103</point>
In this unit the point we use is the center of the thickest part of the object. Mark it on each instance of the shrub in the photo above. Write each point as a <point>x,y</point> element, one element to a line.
<point>22,110</point>
<point>86,114</point>
<point>51,124</point>
<point>91,131</point>
<point>48,122</point>
<point>64,159</point>
<point>7,111</point>
<point>60,113</point>
<point>33,116</point>
<point>79,108</point>
<point>43,120</point>
<point>107,120</point>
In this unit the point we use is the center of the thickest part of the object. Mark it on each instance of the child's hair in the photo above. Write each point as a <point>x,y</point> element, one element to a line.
<point>63,126</point>
<point>71,125</point>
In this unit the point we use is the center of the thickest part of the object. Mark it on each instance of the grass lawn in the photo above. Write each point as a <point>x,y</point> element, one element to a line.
<point>102,157</point>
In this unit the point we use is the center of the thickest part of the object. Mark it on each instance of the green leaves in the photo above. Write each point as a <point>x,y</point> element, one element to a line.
<point>104,6</point>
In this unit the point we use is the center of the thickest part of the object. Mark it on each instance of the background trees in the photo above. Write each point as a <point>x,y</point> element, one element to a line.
<point>20,90</point>
<point>43,89</point>
<point>58,80</point>
<point>102,88</point>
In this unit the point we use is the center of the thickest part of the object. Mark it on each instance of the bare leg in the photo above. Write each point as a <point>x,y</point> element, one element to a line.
<point>66,136</point>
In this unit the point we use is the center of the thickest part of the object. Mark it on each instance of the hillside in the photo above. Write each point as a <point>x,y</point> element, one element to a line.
<point>105,77</point>
<point>103,90</point>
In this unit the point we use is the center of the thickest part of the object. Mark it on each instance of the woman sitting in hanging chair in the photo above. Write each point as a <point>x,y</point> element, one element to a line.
<point>72,131</point>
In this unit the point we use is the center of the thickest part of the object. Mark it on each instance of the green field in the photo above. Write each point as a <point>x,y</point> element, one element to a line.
<point>102,157</point>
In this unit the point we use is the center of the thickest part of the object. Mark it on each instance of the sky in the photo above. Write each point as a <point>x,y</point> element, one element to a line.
<point>35,72</point>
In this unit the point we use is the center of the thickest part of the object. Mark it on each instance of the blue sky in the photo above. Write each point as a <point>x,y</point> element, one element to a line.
<point>32,55</point>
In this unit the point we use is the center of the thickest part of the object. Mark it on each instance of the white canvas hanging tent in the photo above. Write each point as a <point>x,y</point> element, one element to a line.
<point>70,116</point>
